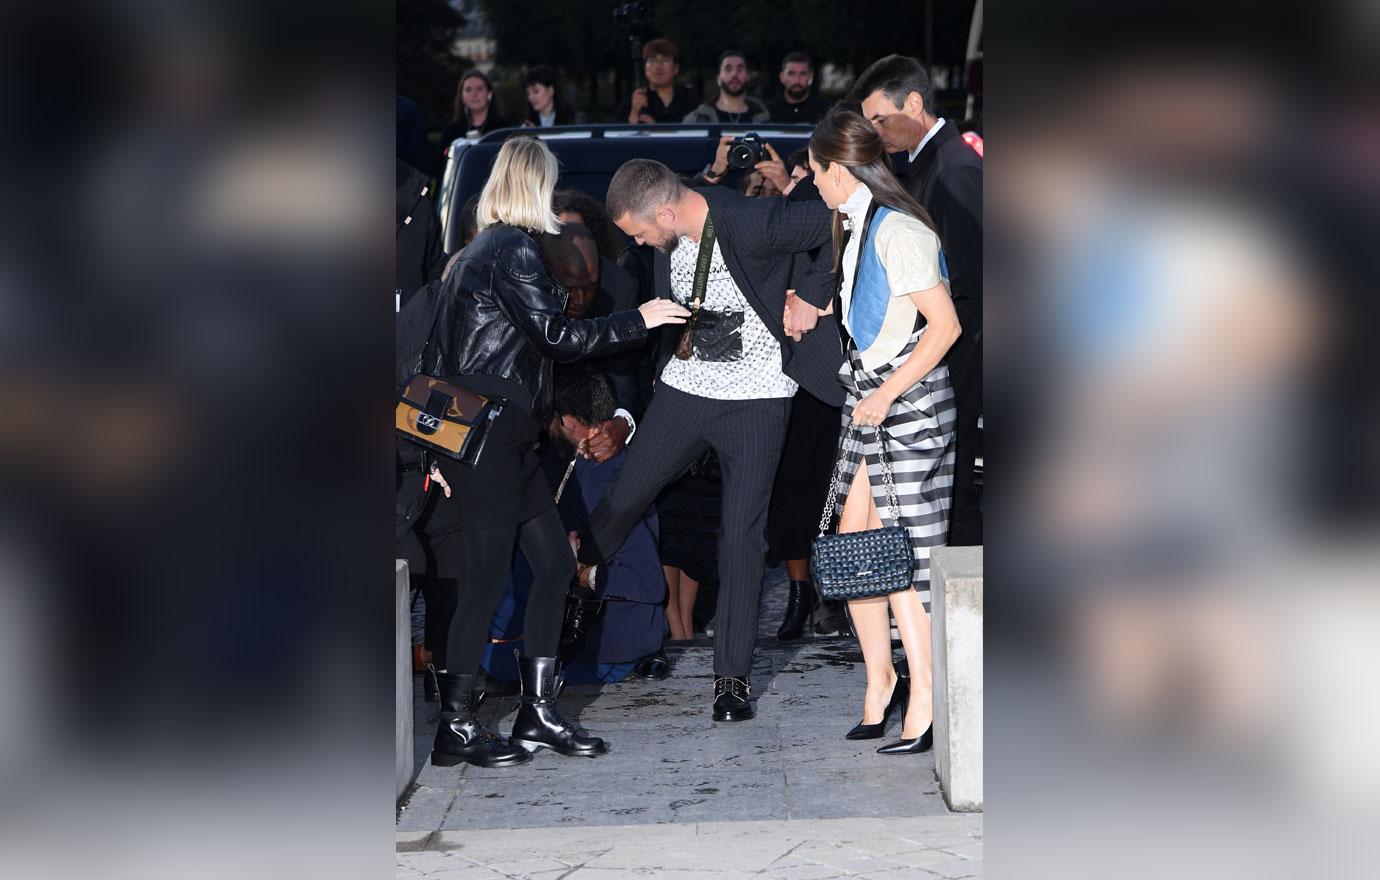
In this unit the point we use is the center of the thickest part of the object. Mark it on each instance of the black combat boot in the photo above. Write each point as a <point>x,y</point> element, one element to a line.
<point>799,607</point>
<point>462,738</point>
<point>538,725</point>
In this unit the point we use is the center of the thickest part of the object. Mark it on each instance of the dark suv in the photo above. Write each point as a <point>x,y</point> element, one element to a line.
<point>590,154</point>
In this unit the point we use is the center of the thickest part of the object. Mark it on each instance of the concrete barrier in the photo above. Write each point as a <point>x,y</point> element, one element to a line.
<point>402,681</point>
<point>956,622</point>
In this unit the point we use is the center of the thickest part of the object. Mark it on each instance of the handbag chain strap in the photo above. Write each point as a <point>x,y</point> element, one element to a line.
<point>888,481</point>
<point>570,469</point>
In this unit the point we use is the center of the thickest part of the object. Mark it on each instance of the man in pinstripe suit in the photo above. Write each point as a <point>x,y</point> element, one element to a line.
<point>733,393</point>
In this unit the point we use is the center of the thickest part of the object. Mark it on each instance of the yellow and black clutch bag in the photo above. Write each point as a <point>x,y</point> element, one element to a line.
<point>445,418</point>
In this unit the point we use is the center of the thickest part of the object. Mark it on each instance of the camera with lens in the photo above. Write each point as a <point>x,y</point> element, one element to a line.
<point>747,151</point>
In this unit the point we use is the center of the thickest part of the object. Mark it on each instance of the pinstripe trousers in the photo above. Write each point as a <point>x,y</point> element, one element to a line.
<point>676,430</point>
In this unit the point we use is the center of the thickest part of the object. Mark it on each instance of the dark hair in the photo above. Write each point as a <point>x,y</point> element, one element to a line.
<point>798,58</point>
<point>846,105</point>
<point>661,46</point>
<point>733,53</point>
<point>798,158</point>
<point>640,187</point>
<point>545,76</point>
<point>895,76</point>
<point>850,140</point>
<point>583,393</point>
<point>462,113</point>
<point>469,219</point>
<point>561,252</point>
<point>606,236</point>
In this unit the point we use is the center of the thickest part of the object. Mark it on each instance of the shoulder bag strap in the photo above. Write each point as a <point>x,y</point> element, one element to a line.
<point>685,346</point>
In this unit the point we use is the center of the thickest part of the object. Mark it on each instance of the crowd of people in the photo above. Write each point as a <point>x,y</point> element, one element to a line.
<point>691,374</point>
<point>664,98</point>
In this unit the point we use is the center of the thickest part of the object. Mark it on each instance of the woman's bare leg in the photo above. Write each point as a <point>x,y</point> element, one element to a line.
<point>914,626</point>
<point>673,618</point>
<point>689,589</point>
<point>870,620</point>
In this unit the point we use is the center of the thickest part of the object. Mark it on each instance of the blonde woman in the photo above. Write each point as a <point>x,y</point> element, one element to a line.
<point>895,304</point>
<point>500,324</point>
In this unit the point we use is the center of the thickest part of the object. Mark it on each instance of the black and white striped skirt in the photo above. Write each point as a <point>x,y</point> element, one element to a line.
<point>921,450</point>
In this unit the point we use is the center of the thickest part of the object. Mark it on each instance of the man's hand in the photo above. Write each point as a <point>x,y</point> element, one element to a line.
<point>606,440</point>
<point>774,169</point>
<point>720,166</point>
<point>800,317</point>
<point>639,103</point>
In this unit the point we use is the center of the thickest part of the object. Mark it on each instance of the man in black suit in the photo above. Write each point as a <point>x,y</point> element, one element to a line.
<point>944,174</point>
<point>731,391</point>
<point>597,289</point>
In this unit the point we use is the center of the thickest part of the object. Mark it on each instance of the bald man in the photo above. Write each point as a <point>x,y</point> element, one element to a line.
<point>598,288</point>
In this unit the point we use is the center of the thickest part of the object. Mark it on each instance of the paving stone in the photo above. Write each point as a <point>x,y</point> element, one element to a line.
<point>425,809</point>
<point>806,872</point>
<point>783,795</point>
<point>954,869</point>
<point>529,867</point>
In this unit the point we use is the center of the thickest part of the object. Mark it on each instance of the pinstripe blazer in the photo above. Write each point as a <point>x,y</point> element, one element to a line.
<point>759,238</point>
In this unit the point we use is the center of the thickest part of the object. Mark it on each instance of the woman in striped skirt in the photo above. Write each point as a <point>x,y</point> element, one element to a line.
<point>894,303</point>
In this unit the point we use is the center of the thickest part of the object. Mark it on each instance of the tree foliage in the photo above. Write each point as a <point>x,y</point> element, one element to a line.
<point>427,70</point>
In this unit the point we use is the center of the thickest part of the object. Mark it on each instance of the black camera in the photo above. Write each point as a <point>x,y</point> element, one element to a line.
<point>747,151</point>
<point>635,18</point>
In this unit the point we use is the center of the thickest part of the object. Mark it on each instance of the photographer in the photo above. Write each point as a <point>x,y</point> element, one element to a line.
<point>745,155</point>
<point>662,99</point>
<point>733,105</point>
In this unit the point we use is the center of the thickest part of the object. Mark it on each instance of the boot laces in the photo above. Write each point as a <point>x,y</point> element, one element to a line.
<point>738,687</point>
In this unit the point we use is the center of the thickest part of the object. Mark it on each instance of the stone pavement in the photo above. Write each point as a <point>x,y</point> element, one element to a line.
<point>783,795</point>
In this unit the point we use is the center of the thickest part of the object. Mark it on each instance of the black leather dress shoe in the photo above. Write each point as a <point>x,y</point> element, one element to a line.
<point>654,667</point>
<point>900,695</point>
<point>922,743</point>
<point>731,699</point>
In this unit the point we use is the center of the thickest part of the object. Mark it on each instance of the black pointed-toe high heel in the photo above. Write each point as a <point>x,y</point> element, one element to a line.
<point>922,743</point>
<point>900,695</point>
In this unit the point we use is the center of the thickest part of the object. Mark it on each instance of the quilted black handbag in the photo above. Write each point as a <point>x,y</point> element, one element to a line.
<point>859,565</point>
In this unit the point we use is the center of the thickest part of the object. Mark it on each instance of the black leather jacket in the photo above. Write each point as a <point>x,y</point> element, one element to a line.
<point>501,322</point>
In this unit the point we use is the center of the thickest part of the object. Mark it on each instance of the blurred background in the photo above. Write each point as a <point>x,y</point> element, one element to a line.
<point>1181,240</point>
<point>194,521</point>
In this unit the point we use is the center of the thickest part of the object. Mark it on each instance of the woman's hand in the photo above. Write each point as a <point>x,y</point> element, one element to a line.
<point>873,409</point>
<point>663,311</point>
<point>439,480</point>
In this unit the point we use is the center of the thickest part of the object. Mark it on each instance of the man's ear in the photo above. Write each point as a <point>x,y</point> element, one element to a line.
<point>914,105</point>
<point>667,215</point>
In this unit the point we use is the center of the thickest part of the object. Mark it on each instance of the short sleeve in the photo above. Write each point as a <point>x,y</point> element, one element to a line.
<point>909,251</point>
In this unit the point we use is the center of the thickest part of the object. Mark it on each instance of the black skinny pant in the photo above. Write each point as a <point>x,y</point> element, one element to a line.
<point>488,563</point>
